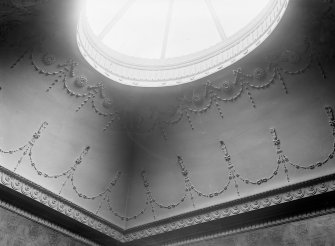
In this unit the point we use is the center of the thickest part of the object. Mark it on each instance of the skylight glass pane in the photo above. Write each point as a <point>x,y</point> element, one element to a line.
<point>236,14</point>
<point>140,32</point>
<point>99,13</point>
<point>192,28</point>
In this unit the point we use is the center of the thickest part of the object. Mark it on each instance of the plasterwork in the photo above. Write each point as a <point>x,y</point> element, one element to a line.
<point>239,207</point>
<point>197,99</point>
<point>208,96</point>
<point>40,194</point>
<point>254,227</point>
<point>67,176</point>
<point>234,177</point>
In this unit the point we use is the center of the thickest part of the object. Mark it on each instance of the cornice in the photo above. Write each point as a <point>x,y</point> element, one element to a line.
<point>240,206</point>
<point>270,198</point>
<point>255,227</point>
<point>38,193</point>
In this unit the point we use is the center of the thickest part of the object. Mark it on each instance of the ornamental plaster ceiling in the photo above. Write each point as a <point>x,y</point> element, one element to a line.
<point>125,158</point>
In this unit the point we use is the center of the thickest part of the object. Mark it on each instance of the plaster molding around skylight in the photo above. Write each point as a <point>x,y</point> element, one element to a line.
<point>151,43</point>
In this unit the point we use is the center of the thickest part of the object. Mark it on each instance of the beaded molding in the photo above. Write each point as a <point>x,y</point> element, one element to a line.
<point>51,200</point>
<point>201,100</point>
<point>216,213</point>
<point>234,175</point>
<point>198,103</point>
<point>26,187</point>
<point>254,227</point>
<point>18,183</point>
<point>68,175</point>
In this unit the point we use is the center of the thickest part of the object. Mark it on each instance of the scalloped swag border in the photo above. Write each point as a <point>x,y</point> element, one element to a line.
<point>259,201</point>
<point>234,177</point>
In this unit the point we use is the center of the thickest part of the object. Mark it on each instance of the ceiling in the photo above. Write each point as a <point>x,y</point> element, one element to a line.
<point>131,158</point>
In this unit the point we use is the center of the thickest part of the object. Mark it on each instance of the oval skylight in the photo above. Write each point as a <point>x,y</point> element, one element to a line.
<point>155,43</point>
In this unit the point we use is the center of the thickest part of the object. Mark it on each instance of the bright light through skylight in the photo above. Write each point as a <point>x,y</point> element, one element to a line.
<point>153,43</point>
<point>158,29</point>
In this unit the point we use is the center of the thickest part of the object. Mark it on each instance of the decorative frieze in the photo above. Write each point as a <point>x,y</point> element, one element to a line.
<point>67,175</point>
<point>240,207</point>
<point>282,163</point>
<point>37,193</point>
<point>200,101</point>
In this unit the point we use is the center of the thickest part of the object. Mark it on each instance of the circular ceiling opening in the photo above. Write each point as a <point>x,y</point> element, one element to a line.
<point>152,43</point>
